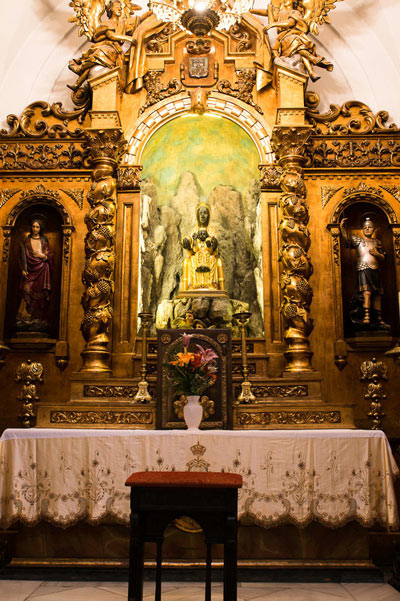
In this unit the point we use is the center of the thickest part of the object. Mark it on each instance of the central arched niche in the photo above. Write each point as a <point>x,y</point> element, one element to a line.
<point>201,158</point>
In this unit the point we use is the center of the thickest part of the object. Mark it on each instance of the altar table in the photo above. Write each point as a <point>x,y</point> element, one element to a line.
<point>329,476</point>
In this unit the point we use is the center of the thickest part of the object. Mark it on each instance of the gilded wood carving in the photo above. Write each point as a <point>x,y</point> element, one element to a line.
<point>105,148</point>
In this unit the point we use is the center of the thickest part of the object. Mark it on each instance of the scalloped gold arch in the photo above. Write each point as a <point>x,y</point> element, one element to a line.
<point>218,104</point>
<point>374,198</point>
<point>39,195</point>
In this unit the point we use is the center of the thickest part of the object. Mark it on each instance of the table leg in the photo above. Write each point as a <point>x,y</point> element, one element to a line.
<point>230,560</point>
<point>136,560</point>
<point>208,572</point>
<point>158,570</point>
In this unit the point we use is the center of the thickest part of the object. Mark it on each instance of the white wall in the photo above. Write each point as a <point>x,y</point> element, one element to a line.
<point>37,41</point>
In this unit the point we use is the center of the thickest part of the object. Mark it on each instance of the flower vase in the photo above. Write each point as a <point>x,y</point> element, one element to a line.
<point>193,412</point>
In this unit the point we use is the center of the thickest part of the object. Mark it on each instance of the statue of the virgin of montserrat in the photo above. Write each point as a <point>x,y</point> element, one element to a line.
<point>203,274</point>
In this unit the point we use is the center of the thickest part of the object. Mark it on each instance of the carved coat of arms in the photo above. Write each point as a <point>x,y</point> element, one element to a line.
<point>198,66</point>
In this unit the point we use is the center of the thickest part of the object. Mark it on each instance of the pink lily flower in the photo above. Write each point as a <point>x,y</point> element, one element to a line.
<point>186,339</point>
<point>207,355</point>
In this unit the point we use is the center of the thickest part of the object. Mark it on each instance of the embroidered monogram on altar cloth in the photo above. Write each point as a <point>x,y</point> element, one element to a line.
<point>331,479</point>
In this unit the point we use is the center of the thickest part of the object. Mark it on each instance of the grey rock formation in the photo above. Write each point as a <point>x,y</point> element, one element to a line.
<point>235,222</point>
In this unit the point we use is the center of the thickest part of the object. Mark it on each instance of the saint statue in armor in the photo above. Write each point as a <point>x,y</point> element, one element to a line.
<point>369,252</point>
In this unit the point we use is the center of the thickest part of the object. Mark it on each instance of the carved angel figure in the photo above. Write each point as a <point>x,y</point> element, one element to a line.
<point>108,37</point>
<point>294,20</point>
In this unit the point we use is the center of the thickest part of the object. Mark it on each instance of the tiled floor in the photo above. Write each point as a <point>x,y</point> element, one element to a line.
<point>12,590</point>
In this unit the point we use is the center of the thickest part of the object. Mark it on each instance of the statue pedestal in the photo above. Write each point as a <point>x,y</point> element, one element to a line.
<point>291,402</point>
<point>202,293</point>
<point>99,403</point>
<point>292,415</point>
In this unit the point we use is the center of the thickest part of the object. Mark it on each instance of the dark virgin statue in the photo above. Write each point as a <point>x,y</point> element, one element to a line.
<point>202,268</point>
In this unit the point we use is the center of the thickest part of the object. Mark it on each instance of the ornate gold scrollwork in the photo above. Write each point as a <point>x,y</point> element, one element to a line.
<point>157,42</point>
<point>36,156</point>
<point>291,390</point>
<point>237,348</point>
<point>353,117</point>
<point>349,153</point>
<point>6,242</point>
<point>241,35</point>
<point>37,121</point>
<point>242,88</point>
<point>396,243</point>
<point>90,391</point>
<point>358,193</point>
<point>6,194</point>
<point>67,231</point>
<point>105,148</point>
<point>362,188</point>
<point>237,369</point>
<point>155,89</point>
<point>374,372</point>
<point>128,178</point>
<point>130,418</point>
<point>270,178</point>
<point>199,46</point>
<point>350,136</point>
<point>28,373</point>
<point>298,390</point>
<point>393,190</point>
<point>39,191</point>
<point>247,418</point>
<point>328,192</point>
<point>289,145</point>
<point>76,195</point>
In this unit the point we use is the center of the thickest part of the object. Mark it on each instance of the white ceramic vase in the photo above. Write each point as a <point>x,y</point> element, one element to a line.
<point>193,412</point>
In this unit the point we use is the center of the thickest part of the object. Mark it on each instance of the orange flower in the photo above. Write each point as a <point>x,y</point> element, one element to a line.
<point>182,359</point>
<point>196,361</point>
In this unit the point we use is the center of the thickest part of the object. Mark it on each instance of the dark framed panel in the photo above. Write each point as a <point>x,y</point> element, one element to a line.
<point>219,340</point>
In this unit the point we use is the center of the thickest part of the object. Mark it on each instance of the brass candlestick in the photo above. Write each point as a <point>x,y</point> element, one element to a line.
<point>246,395</point>
<point>143,395</point>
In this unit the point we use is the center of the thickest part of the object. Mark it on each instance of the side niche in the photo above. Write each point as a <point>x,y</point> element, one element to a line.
<point>366,300</point>
<point>36,267</point>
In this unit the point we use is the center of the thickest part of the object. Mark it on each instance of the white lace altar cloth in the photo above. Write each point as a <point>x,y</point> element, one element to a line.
<point>330,476</point>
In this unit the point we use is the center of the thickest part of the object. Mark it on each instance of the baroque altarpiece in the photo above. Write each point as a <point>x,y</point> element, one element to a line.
<point>95,203</point>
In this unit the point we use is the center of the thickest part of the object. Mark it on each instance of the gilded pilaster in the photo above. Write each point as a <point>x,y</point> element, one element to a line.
<point>289,145</point>
<point>105,149</point>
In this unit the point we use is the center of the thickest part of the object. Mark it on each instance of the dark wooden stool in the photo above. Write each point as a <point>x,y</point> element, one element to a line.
<point>157,498</point>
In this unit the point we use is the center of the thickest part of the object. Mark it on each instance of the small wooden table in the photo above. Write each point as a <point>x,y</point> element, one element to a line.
<point>157,498</point>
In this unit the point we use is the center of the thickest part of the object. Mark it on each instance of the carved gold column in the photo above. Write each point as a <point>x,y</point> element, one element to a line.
<point>105,148</point>
<point>289,144</point>
<point>374,372</point>
<point>29,373</point>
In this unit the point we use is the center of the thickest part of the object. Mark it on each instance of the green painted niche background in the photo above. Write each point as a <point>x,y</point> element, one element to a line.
<point>216,150</point>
